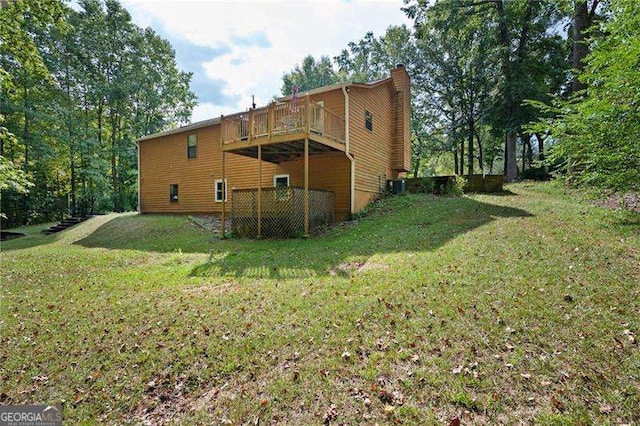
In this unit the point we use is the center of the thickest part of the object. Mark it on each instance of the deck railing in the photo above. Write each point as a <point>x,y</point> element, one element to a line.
<point>283,118</point>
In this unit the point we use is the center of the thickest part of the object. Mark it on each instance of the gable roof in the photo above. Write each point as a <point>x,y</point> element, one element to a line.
<point>214,121</point>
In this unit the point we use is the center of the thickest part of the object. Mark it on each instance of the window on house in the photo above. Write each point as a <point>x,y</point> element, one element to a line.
<point>280,180</point>
<point>221,190</point>
<point>368,120</point>
<point>192,142</point>
<point>173,192</point>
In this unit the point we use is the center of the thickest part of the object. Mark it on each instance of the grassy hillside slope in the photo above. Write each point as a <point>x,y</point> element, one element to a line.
<point>489,308</point>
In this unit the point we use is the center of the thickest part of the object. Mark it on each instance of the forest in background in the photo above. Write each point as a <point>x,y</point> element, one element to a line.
<point>521,88</point>
<point>78,88</point>
<point>518,87</point>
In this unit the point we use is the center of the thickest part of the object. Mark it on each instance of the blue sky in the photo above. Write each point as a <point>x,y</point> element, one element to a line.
<point>239,49</point>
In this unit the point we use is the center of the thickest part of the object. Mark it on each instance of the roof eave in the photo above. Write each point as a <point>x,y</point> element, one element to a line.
<point>188,127</point>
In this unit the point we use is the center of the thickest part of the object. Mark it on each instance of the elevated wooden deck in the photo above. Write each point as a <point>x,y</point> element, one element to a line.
<point>281,129</point>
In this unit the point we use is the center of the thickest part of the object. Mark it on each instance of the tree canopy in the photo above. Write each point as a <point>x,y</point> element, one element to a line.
<point>597,131</point>
<point>78,87</point>
<point>483,71</point>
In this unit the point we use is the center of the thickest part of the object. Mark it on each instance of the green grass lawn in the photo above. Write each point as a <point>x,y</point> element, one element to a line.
<point>511,308</point>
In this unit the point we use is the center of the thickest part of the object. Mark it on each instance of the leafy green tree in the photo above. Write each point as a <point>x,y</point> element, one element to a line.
<point>312,74</point>
<point>513,55</point>
<point>455,77</point>
<point>79,88</point>
<point>25,85</point>
<point>371,58</point>
<point>597,134</point>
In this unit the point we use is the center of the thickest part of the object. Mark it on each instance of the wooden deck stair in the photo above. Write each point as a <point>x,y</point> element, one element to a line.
<point>65,224</point>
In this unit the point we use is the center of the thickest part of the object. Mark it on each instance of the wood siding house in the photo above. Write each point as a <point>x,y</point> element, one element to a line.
<point>347,138</point>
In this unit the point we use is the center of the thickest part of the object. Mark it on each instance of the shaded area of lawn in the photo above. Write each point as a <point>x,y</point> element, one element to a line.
<point>405,224</point>
<point>33,237</point>
<point>153,233</point>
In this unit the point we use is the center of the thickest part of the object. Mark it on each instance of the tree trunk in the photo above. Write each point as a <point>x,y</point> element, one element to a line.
<point>511,165</point>
<point>540,147</point>
<point>470,146</point>
<point>72,153</point>
<point>25,127</point>
<point>455,161</point>
<point>416,164</point>
<point>580,47</point>
<point>480,153</point>
<point>114,168</point>
<point>461,170</point>
<point>529,151</point>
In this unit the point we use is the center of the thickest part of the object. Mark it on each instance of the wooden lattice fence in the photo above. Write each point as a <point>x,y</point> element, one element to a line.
<point>282,211</point>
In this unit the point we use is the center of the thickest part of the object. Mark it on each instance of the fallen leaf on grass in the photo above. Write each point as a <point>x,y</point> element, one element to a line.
<point>559,405</point>
<point>606,409</point>
<point>385,396</point>
<point>330,415</point>
<point>619,343</point>
<point>454,422</point>
<point>631,336</point>
<point>398,398</point>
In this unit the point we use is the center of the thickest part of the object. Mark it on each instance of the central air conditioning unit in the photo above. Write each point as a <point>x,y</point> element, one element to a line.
<point>396,186</point>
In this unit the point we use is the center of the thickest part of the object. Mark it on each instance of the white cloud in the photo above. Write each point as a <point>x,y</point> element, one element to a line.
<point>205,111</point>
<point>292,31</point>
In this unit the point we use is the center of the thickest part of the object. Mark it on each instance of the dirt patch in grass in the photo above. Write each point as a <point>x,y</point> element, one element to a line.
<point>628,201</point>
<point>350,268</point>
<point>212,289</point>
<point>211,223</point>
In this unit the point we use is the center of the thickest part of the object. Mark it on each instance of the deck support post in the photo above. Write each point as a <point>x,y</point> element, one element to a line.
<point>224,195</point>
<point>306,187</point>
<point>259,235</point>
<point>224,198</point>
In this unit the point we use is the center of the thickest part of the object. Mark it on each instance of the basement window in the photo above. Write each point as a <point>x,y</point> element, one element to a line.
<point>281,183</point>
<point>280,180</point>
<point>192,142</point>
<point>221,190</point>
<point>368,120</point>
<point>173,192</point>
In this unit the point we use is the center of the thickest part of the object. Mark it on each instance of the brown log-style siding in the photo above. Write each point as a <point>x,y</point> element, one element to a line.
<point>163,161</point>
<point>380,154</point>
<point>330,172</point>
<point>402,120</point>
<point>333,100</point>
<point>372,149</point>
